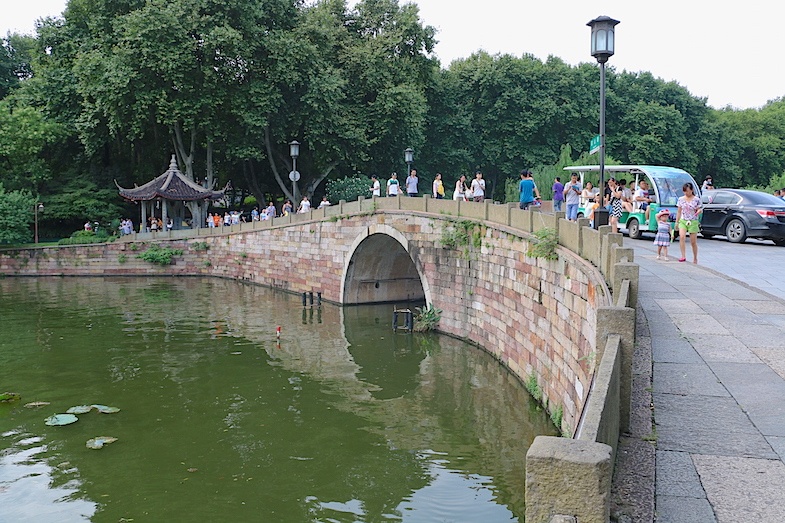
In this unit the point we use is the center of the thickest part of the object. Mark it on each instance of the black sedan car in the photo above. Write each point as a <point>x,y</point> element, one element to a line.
<point>739,214</point>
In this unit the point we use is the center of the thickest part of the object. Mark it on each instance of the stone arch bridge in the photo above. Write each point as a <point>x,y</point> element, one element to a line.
<point>549,320</point>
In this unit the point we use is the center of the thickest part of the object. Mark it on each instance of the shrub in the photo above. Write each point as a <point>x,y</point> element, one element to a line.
<point>159,255</point>
<point>81,237</point>
<point>544,244</point>
<point>348,188</point>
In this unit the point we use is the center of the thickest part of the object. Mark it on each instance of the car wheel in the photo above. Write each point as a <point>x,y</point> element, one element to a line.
<point>634,229</point>
<point>780,243</point>
<point>707,235</point>
<point>580,215</point>
<point>736,231</point>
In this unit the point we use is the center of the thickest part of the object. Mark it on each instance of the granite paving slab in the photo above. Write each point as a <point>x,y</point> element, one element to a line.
<point>743,489</point>
<point>687,378</point>
<point>660,324</point>
<point>673,349</point>
<point>696,323</point>
<point>778,444</point>
<point>675,509</point>
<point>763,306</point>
<point>774,358</point>
<point>681,305</point>
<point>774,319</point>
<point>760,335</point>
<point>716,347</point>
<point>708,425</point>
<point>676,475</point>
<point>758,390</point>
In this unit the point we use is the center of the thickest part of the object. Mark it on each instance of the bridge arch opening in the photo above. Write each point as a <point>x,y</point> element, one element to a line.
<point>380,269</point>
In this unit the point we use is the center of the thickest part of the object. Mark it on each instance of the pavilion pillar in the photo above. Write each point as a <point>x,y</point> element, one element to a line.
<point>164,213</point>
<point>143,225</point>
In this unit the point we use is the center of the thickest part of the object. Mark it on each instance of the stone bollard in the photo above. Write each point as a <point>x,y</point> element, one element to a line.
<point>567,477</point>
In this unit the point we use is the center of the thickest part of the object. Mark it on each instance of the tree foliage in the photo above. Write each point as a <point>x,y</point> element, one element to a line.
<point>16,215</point>
<point>110,90</point>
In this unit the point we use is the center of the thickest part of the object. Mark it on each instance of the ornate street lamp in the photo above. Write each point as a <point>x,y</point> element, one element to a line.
<point>603,41</point>
<point>408,156</point>
<point>294,176</point>
<point>37,207</point>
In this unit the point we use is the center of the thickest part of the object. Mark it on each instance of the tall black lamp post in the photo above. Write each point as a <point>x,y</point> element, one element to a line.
<point>37,207</point>
<point>294,176</point>
<point>408,156</point>
<point>603,41</point>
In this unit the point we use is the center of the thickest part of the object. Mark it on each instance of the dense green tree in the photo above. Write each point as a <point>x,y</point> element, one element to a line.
<point>26,139</point>
<point>361,97</point>
<point>110,90</point>
<point>16,53</point>
<point>16,215</point>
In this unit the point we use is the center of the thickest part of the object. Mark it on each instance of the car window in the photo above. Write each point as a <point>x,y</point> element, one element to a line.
<point>762,198</point>
<point>720,198</point>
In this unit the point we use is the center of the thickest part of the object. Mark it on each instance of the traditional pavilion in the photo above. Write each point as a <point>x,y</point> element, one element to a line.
<point>171,192</point>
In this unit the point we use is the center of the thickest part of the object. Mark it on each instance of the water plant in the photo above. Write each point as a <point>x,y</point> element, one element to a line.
<point>426,318</point>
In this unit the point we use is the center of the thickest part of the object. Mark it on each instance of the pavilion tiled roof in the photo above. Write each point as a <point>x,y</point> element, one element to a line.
<point>171,185</point>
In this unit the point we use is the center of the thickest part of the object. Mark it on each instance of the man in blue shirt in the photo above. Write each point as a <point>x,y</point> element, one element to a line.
<point>527,189</point>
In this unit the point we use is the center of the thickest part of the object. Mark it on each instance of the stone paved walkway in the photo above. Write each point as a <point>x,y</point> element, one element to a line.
<point>718,387</point>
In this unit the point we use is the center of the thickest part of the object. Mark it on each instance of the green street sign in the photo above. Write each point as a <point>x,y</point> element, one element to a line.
<point>594,144</point>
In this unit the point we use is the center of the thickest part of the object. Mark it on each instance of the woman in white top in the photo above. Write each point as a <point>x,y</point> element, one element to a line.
<point>460,189</point>
<point>305,206</point>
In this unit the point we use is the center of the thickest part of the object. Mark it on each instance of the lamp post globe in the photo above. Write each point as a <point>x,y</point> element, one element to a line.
<point>603,37</point>
<point>294,152</point>
<point>603,46</point>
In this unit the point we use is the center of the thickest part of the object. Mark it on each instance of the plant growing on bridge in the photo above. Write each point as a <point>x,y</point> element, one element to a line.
<point>426,318</point>
<point>160,255</point>
<point>544,244</point>
<point>462,234</point>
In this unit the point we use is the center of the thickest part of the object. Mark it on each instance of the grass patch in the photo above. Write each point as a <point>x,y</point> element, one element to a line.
<point>533,387</point>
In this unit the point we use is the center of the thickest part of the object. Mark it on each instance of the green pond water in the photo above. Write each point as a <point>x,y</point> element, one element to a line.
<point>340,421</point>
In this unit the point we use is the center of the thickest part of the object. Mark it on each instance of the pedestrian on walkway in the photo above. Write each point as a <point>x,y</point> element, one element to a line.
<point>478,188</point>
<point>688,220</point>
<point>375,186</point>
<point>615,201</point>
<point>438,187</point>
<point>459,193</point>
<point>558,194</point>
<point>572,197</point>
<point>527,189</point>
<point>393,187</point>
<point>412,183</point>
<point>664,234</point>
